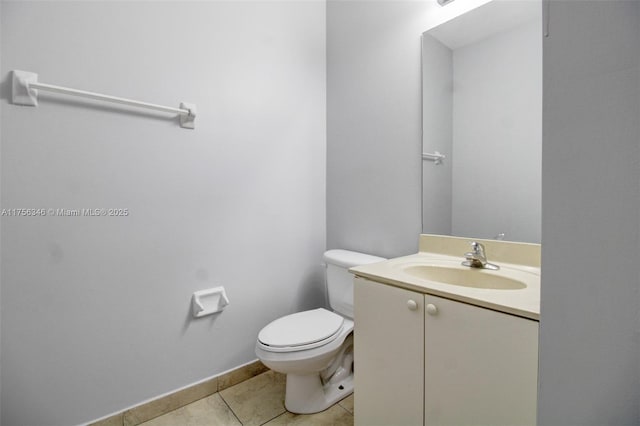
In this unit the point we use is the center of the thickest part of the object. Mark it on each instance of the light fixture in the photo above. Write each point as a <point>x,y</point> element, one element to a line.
<point>444,2</point>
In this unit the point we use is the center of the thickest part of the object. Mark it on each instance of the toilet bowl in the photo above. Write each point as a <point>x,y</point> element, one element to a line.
<point>315,348</point>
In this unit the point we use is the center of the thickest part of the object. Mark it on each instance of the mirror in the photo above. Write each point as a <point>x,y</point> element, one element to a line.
<point>482,110</point>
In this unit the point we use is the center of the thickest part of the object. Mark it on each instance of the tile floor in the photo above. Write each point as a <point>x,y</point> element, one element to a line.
<point>257,401</point>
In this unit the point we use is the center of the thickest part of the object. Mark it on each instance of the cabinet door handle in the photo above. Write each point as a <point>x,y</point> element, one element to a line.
<point>432,309</point>
<point>412,305</point>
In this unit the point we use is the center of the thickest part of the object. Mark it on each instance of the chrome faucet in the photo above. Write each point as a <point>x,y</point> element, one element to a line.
<point>477,258</point>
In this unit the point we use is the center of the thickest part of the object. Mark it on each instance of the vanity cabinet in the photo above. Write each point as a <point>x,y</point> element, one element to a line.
<point>426,360</point>
<point>388,355</point>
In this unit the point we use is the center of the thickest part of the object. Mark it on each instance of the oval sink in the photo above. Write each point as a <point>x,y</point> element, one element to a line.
<point>466,277</point>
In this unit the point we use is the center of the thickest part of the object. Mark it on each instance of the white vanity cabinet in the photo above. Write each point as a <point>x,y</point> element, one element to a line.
<point>426,360</point>
<point>480,366</point>
<point>388,355</point>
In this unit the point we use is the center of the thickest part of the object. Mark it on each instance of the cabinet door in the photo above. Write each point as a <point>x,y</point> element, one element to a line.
<point>389,357</point>
<point>481,366</point>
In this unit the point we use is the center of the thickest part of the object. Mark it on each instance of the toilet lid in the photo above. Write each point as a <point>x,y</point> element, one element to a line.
<point>302,328</point>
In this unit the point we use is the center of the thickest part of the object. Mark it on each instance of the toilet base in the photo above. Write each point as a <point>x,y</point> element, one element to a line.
<point>305,394</point>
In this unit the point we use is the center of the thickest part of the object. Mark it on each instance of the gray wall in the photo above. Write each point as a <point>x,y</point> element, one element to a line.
<point>589,345</point>
<point>374,125</point>
<point>96,311</point>
<point>497,135</point>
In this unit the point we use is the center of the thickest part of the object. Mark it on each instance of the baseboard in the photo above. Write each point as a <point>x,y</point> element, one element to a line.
<point>158,406</point>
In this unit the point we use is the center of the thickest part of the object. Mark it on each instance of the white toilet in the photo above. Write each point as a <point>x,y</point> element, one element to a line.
<point>315,348</point>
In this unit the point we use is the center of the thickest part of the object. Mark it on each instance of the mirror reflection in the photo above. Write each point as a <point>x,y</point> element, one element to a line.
<point>482,111</point>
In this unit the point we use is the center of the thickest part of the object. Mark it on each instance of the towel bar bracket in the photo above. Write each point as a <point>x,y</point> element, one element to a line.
<point>21,93</point>
<point>187,120</point>
<point>436,157</point>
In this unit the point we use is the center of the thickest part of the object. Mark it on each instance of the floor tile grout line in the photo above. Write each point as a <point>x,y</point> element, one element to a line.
<point>344,408</point>
<point>230,409</point>
<point>273,418</point>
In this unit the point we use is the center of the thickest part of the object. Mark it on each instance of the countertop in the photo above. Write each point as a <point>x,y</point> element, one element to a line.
<point>524,302</point>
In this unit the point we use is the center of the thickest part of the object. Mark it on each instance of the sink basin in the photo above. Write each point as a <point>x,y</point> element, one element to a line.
<point>465,277</point>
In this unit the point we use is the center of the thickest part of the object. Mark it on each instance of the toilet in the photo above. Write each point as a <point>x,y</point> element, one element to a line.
<point>315,348</point>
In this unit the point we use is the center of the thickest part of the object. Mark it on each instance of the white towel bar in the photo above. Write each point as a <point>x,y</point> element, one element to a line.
<point>25,86</point>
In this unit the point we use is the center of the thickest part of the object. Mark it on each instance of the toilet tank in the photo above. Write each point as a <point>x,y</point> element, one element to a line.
<point>340,281</point>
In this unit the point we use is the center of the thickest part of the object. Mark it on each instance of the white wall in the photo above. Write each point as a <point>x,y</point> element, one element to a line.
<point>590,321</point>
<point>374,125</point>
<point>96,311</point>
<point>497,135</point>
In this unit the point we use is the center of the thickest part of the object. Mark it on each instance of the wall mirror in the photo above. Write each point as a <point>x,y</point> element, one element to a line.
<point>482,111</point>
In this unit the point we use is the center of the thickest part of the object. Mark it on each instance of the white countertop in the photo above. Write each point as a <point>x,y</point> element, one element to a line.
<point>524,302</point>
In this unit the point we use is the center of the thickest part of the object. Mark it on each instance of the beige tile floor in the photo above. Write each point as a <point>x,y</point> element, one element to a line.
<point>257,401</point>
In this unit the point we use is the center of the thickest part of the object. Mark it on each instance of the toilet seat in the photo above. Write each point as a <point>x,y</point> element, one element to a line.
<point>301,331</point>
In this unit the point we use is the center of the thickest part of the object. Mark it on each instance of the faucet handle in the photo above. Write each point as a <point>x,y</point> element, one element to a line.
<point>477,248</point>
